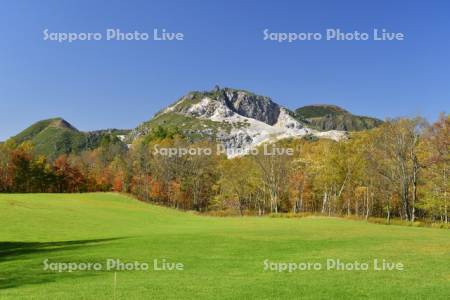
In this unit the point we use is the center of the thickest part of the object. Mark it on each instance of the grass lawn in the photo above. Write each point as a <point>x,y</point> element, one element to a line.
<point>222,257</point>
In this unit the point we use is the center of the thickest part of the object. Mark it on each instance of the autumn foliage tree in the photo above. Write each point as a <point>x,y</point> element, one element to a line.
<point>398,170</point>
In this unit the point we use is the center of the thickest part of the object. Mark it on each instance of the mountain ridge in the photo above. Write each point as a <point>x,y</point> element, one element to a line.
<point>237,118</point>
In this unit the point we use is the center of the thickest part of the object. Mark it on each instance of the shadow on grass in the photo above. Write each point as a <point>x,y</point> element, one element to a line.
<point>13,250</point>
<point>15,274</point>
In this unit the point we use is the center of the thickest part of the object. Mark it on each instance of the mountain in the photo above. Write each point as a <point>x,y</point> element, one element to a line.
<point>238,119</point>
<point>331,117</point>
<point>53,137</point>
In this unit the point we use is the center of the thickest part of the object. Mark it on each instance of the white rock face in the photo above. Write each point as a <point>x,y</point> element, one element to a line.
<point>252,133</point>
<point>121,137</point>
<point>210,109</point>
<point>285,120</point>
<point>335,135</point>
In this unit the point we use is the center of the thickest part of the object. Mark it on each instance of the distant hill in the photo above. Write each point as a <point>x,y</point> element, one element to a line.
<point>332,117</point>
<point>56,136</point>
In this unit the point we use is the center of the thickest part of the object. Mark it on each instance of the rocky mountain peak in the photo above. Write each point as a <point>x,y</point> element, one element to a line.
<point>238,119</point>
<point>250,105</point>
<point>241,102</point>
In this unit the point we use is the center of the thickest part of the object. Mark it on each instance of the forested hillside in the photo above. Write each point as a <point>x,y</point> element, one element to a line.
<point>398,170</point>
<point>331,117</point>
<point>54,137</point>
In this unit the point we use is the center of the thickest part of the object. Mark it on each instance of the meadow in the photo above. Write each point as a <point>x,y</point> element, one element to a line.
<point>222,257</point>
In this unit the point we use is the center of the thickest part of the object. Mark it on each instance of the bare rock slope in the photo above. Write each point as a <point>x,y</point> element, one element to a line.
<point>238,119</point>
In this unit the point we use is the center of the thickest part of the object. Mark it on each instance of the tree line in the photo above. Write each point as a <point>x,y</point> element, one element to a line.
<point>398,170</point>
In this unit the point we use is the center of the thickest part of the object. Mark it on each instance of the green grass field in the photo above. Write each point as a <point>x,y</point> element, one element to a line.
<point>223,257</point>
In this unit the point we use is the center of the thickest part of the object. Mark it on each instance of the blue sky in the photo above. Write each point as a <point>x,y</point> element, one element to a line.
<point>106,84</point>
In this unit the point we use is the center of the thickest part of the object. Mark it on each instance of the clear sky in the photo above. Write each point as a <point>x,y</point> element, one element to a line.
<point>118,84</point>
